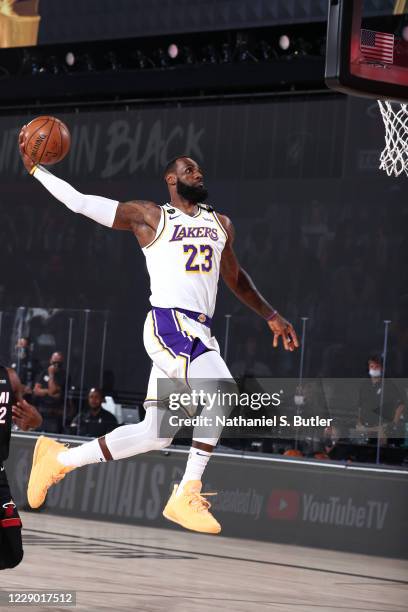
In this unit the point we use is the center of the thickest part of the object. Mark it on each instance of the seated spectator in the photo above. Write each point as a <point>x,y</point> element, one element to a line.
<point>370,397</point>
<point>49,391</point>
<point>96,421</point>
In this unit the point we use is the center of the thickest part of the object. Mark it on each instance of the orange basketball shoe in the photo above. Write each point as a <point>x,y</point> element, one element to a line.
<point>46,470</point>
<point>190,509</point>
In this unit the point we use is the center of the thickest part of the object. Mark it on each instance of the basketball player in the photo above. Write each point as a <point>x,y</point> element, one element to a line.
<point>12,408</point>
<point>186,245</point>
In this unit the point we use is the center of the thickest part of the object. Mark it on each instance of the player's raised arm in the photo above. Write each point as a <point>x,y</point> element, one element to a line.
<point>243,287</point>
<point>111,213</point>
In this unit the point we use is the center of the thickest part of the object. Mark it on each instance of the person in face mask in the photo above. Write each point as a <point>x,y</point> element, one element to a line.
<point>375,369</point>
<point>370,397</point>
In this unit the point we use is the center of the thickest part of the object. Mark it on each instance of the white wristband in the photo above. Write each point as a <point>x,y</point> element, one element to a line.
<point>102,210</point>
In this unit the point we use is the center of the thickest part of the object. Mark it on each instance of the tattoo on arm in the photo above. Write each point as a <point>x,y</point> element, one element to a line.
<point>129,214</point>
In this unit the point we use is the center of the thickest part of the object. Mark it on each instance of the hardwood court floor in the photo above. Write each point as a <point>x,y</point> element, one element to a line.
<point>120,567</point>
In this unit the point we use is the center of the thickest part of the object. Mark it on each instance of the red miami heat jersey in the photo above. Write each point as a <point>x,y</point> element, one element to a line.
<point>6,403</point>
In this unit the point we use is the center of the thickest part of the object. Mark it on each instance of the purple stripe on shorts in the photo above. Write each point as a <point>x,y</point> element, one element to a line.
<point>173,338</point>
<point>198,349</point>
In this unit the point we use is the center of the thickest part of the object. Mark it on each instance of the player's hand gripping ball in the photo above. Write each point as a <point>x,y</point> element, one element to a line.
<point>45,140</point>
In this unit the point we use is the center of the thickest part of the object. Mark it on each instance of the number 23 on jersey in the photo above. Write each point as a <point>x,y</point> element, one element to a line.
<point>199,259</point>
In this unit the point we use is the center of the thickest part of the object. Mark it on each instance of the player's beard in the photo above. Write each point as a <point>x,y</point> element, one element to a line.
<point>191,193</point>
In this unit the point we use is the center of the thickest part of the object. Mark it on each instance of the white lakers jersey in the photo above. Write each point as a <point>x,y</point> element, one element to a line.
<point>183,260</point>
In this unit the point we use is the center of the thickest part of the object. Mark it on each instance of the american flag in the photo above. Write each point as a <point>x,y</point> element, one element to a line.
<point>377,46</point>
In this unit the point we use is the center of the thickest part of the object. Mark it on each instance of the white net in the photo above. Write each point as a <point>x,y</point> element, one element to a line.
<point>394,157</point>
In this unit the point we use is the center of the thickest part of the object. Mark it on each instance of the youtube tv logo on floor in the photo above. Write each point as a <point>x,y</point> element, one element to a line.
<point>284,504</point>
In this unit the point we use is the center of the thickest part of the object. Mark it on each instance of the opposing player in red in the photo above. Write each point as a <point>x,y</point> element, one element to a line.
<point>13,408</point>
<point>187,246</point>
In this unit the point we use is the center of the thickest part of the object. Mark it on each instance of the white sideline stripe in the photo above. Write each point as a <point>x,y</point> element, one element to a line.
<point>304,463</point>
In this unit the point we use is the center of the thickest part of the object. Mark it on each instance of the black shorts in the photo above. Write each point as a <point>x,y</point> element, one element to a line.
<point>11,547</point>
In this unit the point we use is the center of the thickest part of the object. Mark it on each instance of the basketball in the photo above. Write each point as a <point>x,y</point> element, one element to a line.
<point>47,140</point>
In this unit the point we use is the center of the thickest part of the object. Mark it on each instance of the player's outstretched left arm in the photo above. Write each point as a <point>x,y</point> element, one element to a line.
<point>138,216</point>
<point>243,287</point>
<point>99,209</point>
<point>25,416</point>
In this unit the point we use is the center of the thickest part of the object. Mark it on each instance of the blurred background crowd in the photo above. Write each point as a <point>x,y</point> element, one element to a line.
<point>368,413</point>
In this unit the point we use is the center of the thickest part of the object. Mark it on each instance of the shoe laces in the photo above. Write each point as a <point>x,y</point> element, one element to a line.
<point>198,501</point>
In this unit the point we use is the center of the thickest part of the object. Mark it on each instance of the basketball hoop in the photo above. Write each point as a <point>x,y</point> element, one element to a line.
<point>394,157</point>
